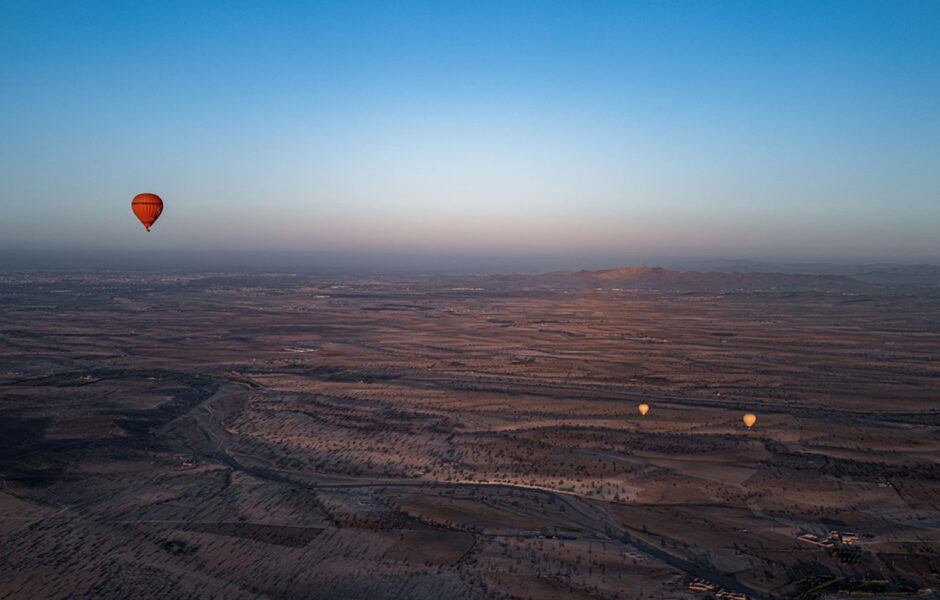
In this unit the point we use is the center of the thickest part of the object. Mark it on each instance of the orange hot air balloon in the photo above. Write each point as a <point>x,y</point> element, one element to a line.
<point>643,408</point>
<point>749,420</point>
<point>147,208</point>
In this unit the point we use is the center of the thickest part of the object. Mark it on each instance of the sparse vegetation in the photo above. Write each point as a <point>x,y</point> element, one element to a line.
<point>290,436</point>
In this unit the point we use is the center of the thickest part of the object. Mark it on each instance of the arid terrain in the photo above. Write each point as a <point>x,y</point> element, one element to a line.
<point>296,436</point>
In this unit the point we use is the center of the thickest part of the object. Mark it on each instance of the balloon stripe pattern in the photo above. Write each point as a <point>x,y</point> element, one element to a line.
<point>147,208</point>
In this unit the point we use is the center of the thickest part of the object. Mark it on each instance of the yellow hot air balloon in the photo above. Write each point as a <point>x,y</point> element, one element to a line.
<point>749,420</point>
<point>643,408</point>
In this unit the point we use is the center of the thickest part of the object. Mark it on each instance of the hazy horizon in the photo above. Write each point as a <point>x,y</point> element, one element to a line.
<point>332,262</point>
<point>502,133</point>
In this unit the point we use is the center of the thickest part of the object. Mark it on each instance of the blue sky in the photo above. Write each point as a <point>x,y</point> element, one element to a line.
<point>725,129</point>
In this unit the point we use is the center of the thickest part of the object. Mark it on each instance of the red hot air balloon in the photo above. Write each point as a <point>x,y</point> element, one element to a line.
<point>147,208</point>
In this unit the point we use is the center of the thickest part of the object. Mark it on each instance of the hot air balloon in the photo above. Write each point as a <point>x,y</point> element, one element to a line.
<point>749,420</point>
<point>643,408</point>
<point>147,208</point>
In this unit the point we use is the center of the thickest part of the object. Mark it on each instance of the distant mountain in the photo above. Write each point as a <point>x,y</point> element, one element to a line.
<point>901,275</point>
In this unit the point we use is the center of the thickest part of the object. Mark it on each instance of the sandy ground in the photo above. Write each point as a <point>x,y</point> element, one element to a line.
<point>281,436</point>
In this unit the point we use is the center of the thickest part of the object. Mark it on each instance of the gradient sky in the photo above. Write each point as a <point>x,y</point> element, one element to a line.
<point>733,129</point>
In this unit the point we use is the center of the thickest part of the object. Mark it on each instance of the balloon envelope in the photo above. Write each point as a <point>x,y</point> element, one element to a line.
<point>147,208</point>
<point>749,420</point>
<point>643,408</point>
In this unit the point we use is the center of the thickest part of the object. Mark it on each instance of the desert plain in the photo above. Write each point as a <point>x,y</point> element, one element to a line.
<point>220,435</point>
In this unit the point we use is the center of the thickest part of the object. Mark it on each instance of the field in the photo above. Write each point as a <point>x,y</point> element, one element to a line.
<point>281,436</point>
